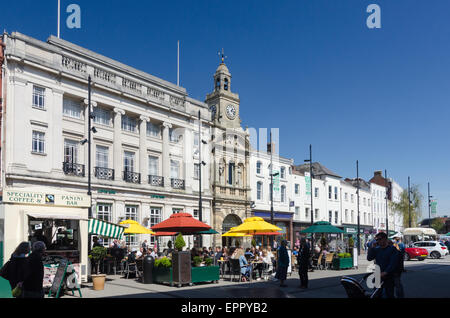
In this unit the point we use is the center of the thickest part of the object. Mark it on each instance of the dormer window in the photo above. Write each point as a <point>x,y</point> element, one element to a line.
<point>225,85</point>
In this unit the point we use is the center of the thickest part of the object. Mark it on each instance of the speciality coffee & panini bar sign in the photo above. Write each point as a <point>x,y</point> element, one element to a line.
<point>46,198</point>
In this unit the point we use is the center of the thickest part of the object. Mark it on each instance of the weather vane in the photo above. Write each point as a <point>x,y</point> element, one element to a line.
<point>223,55</point>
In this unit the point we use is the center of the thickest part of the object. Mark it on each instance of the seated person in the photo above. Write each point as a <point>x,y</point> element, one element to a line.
<point>246,268</point>
<point>249,254</point>
<point>140,253</point>
<point>267,260</point>
<point>132,256</point>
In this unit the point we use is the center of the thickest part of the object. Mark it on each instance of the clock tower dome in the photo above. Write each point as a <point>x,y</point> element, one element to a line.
<point>224,104</point>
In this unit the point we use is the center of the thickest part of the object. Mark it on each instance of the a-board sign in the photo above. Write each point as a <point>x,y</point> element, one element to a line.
<point>59,277</point>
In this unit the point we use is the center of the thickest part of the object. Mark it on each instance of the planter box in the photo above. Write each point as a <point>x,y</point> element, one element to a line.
<point>162,275</point>
<point>205,274</point>
<point>342,263</point>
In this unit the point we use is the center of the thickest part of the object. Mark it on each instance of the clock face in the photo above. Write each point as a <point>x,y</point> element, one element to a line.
<point>231,111</point>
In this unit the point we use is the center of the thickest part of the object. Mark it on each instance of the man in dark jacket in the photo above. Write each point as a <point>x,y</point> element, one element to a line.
<point>32,286</point>
<point>303,263</point>
<point>386,257</point>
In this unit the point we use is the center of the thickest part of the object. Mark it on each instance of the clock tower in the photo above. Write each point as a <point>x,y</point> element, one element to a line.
<point>224,104</point>
<point>231,161</point>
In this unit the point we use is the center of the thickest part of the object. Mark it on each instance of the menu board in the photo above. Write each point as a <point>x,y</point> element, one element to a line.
<point>59,277</point>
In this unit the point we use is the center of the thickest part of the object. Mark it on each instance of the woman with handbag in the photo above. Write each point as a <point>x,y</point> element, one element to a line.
<point>17,269</point>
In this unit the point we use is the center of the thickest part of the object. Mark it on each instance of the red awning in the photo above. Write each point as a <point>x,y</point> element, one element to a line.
<point>181,223</point>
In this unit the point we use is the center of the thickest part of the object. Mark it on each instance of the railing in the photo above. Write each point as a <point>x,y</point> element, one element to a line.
<point>176,101</point>
<point>104,75</point>
<point>177,184</point>
<point>132,177</point>
<point>73,65</point>
<point>73,169</point>
<point>155,93</point>
<point>132,85</point>
<point>104,173</point>
<point>156,181</point>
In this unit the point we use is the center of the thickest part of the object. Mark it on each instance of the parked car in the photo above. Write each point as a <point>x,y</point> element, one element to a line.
<point>434,248</point>
<point>415,253</point>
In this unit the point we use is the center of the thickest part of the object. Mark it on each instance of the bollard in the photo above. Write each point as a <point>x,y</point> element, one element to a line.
<point>148,269</point>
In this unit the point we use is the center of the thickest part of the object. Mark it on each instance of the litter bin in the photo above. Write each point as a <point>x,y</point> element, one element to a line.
<point>148,269</point>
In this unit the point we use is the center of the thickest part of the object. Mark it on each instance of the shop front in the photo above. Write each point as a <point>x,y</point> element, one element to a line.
<point>59,219</point>
<point>281,219</point>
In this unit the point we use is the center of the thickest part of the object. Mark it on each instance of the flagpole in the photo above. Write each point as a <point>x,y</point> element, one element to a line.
<point>59,18</point>
<point>178,64</point>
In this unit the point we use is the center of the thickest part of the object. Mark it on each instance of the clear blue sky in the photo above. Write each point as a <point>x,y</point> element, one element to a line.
<point>312,68</point>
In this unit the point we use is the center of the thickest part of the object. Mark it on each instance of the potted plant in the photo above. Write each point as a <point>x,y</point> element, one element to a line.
<point>96,256</point>
<point>343,261</point>
<point>208,261</point>
<point>179,242</point>
<point>162,270</point>
<point>181,263</point>
<point>207,273</point>
<point>197,261</point>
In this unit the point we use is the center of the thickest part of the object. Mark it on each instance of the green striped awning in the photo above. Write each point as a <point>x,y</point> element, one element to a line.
<point>102,228</point>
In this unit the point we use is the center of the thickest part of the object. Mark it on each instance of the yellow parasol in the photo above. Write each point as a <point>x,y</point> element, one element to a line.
<point>135,228</point>
<point>254,225</point>
<point>235,234</point>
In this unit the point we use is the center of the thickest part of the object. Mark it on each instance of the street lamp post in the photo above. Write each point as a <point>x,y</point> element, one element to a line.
<point>358,240</point>
<point>387,211</point>
<point>429,206</point>
<point>271,184</point>
<point>311,193</point>
<point>200,205</point>
<point>409,203</point>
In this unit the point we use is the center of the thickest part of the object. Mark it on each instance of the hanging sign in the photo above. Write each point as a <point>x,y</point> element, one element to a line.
<point>308,183</point>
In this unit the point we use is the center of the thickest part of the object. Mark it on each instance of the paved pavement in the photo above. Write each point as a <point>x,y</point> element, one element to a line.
<point>429,278</point>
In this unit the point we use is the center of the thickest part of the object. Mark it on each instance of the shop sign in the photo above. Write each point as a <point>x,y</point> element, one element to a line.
<point>42,198</point>
<point>106,191</point>
<point>154,196</point>
<point>350,230</point>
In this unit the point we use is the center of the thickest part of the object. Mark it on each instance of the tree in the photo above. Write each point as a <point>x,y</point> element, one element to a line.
<point>179,242</point>
<point>403,209</point>
<point>438,225</point>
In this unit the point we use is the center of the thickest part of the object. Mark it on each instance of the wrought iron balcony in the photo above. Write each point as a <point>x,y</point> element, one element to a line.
<point>156,181</point>
<point>132,177</point>
<point>73,169</point>
<point>177,184</point>
<point>104,173</point>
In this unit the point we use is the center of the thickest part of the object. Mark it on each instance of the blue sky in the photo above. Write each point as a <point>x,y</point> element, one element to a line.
<point>311,68</point>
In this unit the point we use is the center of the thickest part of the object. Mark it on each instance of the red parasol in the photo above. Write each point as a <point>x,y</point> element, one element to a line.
<point>182,223</point>
<point>165,233</point>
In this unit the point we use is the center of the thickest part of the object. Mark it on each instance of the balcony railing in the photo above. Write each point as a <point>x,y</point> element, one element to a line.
<point>156,181</point>
<point>104,173</point>
<point>132,177</point>
<point>177,184</point>
<point>73,169</point>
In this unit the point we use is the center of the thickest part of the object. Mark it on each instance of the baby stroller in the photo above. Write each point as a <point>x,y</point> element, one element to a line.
<point>355,289</point>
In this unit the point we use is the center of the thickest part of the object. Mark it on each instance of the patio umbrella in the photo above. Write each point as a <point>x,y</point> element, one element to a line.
<point>135,228</point>
<point>254,225</point>
<point>210,231</point>
<point>165,233</point>
<point>322,227</point>
<point>182,223</point>
<point>267,233</point>
<point>235,234</point>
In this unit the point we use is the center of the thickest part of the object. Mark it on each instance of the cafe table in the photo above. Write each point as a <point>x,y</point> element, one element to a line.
<point>222,264</point>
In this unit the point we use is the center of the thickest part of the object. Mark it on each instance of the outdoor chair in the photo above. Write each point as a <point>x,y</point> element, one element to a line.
<point>318,263</point>
<point>329,260</point>
<point>235,268</point>
<point>266,271</point>
<point>131,268</point>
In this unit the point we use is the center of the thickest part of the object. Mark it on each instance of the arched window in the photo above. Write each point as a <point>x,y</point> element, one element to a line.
<point>217,83</point>
<point>225,85</point>
<point>259,190</point>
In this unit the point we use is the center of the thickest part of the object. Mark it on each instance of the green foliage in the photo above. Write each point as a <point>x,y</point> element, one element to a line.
<point>96,255</point>
<point>402,207</point>
<point>438,225</point>
<point>208,261</point>
<point>351,242</point>
<point>179,242</point>
<point>163,262</point>
<point>344,255</point>
<point>197,261</point>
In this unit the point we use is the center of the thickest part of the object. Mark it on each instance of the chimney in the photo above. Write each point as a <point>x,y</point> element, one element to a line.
<point>378,173</point>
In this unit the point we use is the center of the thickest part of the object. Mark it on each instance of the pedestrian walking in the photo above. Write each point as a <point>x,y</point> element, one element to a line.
<point>303,263</point>
<point>16,269</point>
<point>32,286</point>
<point>387,258</point>
<point>283,263</point>
<point>398,286</point>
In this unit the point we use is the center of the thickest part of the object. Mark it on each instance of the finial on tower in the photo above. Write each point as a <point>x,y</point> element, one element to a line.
<point>223,55</point>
